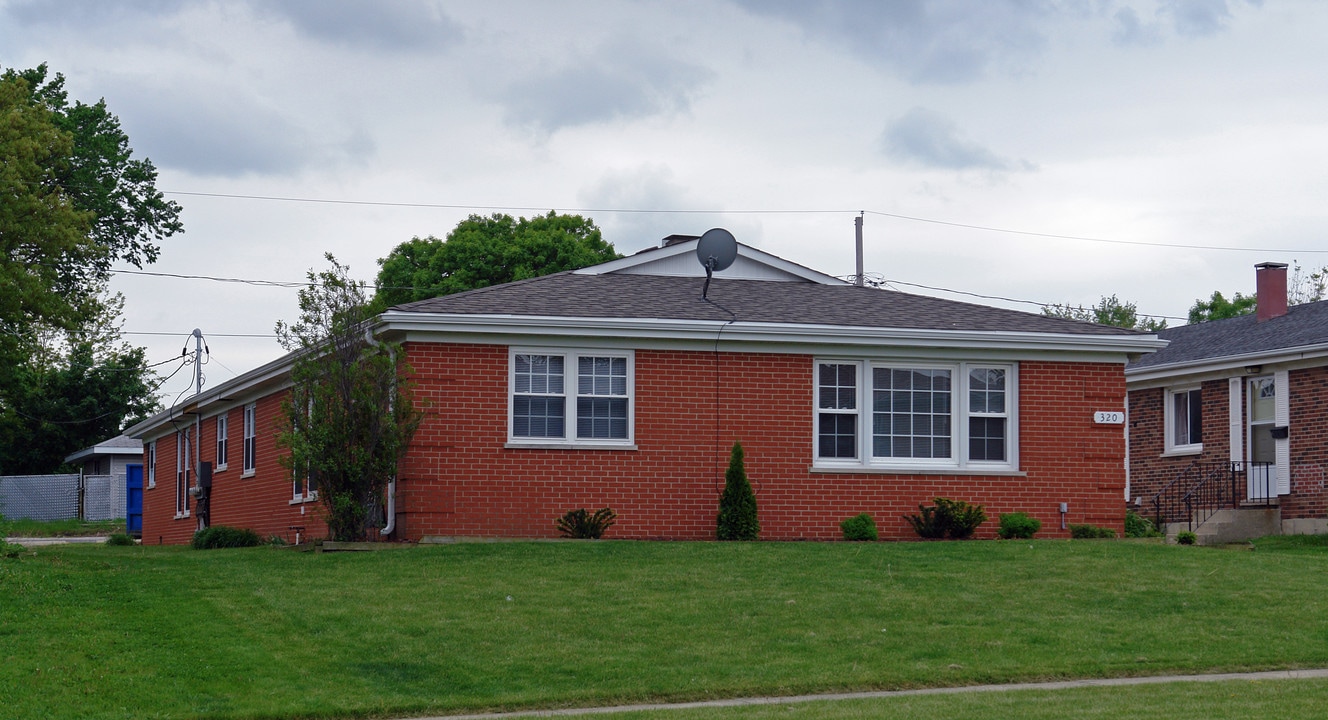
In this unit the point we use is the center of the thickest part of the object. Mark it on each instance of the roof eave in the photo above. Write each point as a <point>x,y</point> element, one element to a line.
<point>1226,362</point>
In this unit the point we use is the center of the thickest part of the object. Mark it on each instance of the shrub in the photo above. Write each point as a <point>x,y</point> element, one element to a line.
<point>582,525</point>
<point>222,536</point>
<point>1090,532</point>
<point>1185,537</point>
<point>737,506</point>
<point>1018,526</point>
<point>120,539</point>
<point>954,518</point>
<point>1138,526</point>
<point>10,550</point>
<point>859,527</point>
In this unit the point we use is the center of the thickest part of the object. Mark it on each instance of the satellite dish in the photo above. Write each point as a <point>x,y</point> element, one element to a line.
<point>717,250</point>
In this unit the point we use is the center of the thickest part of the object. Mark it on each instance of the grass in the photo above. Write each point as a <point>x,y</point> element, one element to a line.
<point>24,527</point>
<point>110,632</point>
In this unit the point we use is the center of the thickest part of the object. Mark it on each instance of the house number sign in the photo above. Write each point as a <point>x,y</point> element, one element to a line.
<point>1103,417</point>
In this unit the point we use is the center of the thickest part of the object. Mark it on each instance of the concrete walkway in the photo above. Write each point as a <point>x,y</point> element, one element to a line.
<point>1317,673</point>
<point>31,542</point>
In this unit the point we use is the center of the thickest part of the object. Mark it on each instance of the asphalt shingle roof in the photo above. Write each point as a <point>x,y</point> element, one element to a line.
<point>627,296</point>
<point>1302,325</point>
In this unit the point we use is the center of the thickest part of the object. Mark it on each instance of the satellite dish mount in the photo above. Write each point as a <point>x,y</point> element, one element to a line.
<point>716,251</point>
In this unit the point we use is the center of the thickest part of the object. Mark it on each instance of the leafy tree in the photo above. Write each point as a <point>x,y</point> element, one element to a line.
<point>738,518</point>
<point>483,251</point>
<point>74,202</point>
<point>350,413</point>
<point>73,392</point>
<point>1110,311</point>
<point>1220,308</point>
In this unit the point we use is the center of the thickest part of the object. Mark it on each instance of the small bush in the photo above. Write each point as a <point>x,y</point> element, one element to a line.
<point>1090,532</point>
<point>859,527</point>
<point>582,525</point>
<point>10,550</point>
<point>120,539</point>
<point>222,536</point>
<point>954,518</point>
<point>738,518</point>
<point>1138,526</point>
<point>1018,526</point>
<point>1185,537</point>
<point>276,541</point>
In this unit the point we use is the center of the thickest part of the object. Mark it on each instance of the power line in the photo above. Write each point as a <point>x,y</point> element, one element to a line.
<point>785,211</point>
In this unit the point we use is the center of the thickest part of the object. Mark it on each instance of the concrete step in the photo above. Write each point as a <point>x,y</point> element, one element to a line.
<point>1233,525</point>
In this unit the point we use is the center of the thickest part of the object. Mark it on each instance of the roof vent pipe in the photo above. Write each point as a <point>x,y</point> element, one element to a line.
<point>857,221</point>
<point>1270,285</point>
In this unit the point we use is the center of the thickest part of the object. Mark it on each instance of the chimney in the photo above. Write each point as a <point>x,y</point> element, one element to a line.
<point>1270,284</point>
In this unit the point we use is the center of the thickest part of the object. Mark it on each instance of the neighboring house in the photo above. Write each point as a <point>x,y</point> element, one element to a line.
<point>108,457</point>
<point>620,386</point>
<point>1240,403</point>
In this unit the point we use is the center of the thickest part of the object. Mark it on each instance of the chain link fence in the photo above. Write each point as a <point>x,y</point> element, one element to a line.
<point>62,497</point>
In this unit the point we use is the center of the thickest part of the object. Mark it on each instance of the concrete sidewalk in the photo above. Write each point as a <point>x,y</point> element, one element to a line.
<point>30,542</point>
<point>1315,673</point>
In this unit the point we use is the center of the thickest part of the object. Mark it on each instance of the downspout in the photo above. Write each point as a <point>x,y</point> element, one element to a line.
<point>391,524</point>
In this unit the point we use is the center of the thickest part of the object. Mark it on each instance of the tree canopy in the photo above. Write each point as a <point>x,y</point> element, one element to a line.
<point>73,201</point>
<point>483,251</point>
<point>350,414</point>
<point>1109,311</point>
<point>1218,307</point>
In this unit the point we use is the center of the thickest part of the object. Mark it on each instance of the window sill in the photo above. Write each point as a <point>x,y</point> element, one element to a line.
<point>1184,452</point>
<point>182,516</point>
<point>152,485</point>
<point>301,501</point>
<point>248,474</point>
<point>865,470</point>
<point>511,445</point>
<point>219,468</point>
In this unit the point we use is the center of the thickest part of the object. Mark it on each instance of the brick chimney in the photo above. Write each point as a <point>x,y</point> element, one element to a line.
<point>1270,282</point>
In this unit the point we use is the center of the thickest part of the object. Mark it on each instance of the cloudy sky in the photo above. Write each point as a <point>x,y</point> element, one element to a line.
<point>1030,149</point>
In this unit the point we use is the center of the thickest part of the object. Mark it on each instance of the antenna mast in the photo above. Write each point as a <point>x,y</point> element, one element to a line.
<point>857,221</point>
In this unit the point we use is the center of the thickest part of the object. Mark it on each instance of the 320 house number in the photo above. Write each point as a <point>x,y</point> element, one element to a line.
<point>1102,417</point>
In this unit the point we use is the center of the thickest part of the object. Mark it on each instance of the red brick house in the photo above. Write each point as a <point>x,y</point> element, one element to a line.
<point>621,386</point>
<point>1234,413</point>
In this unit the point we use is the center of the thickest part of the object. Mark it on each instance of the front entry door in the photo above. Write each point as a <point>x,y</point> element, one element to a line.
<point>1261,475</point>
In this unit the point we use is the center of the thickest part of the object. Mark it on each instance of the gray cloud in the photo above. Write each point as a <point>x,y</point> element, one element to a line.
<point>382,24</point>
<point>926,138</point>
<point>218,133</point>
<point>1129,29</point>
<point>87,13</point>
<point>941,41</point>
<point>616,84</point>
<point>1197,18</point>
<point>647,186</point>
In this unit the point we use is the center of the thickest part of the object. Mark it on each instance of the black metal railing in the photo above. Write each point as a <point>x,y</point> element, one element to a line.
<point>1202,489</point>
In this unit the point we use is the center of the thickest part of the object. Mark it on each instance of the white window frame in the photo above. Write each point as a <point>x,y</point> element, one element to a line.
<point>959,412</point>
<point>250,448</point>
<point>152,464</point>
<point>570,394</point>
<point>1173,447</point>
<point>182,474</point>
<point>223,442</point>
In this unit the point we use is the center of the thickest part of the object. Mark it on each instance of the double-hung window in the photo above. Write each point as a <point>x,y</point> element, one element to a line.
<point>182,456</point>
<point>250,438</point>
<point>221,442</point>
<point>914,415</point>
<point>572,397</point>
<point>1184,420</point>
<point>152,464</point>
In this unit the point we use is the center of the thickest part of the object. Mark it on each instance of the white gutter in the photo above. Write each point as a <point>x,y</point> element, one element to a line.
<point>391,524</point>
<point>765,333</point>
<point>1226,362</point>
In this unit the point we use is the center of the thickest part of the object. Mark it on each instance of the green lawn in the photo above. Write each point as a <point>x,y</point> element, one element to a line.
<point>24,527</point>
<point>110,632</point>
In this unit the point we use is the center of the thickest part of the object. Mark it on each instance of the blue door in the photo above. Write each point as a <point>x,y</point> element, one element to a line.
<point>134,500</point>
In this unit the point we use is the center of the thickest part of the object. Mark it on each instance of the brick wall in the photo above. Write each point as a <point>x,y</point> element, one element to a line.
<point>1309,444</point>
<point>460,480</point>
<point>261,503</point>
